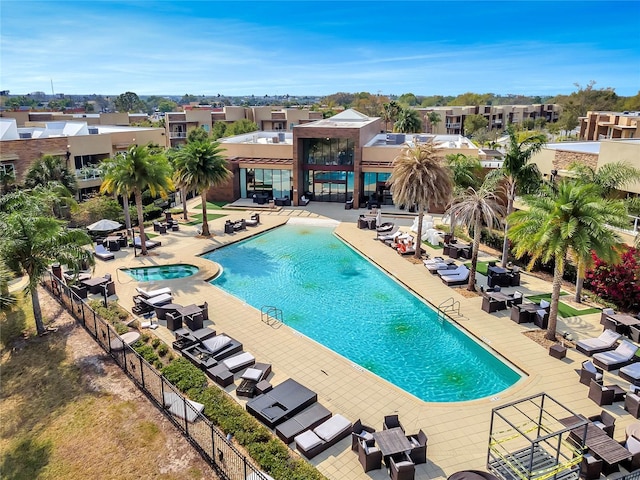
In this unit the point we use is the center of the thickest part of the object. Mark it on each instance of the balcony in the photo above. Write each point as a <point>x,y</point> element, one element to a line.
<point>84,174</point>
<point>177,134</point>
<point>453,125</point>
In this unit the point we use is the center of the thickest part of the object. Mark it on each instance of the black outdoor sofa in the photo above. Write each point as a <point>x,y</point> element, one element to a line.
<point>309,418</point>
<point>281,403</point>
<point>203,357</point>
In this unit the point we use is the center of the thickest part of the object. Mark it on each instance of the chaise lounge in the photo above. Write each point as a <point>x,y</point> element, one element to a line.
<point>631,373</point>
<point>454,279</point>
<point>604,342</point>
<point>325,435</point>
<point>623,355</point>
<point>281,403</point>
<point>305,420</point>
<point>102,253</point>
<point>222,373</point>
<point>153,293</point>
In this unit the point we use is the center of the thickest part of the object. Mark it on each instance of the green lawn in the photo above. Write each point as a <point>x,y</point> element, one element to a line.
<point>564,310</point>
<point>196,218</point>
<point>481,267</point>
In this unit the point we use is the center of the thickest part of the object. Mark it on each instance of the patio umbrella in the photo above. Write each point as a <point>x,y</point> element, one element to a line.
<point>104,225</point>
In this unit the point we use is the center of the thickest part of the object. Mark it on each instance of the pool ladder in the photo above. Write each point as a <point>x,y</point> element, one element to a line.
<point>271,316</point>
<point>448,306</point>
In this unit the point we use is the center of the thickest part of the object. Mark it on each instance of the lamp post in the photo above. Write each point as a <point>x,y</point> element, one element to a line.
<point>133,241</point>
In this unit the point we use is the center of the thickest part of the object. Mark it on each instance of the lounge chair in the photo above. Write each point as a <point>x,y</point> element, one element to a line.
<point>438,266</point>
<point>455,271</point>
<point>392,421</point>
<point>146,305</point>
<point>325,435</point>
<point>281,403</point>
<point>149,243</point>
<point>391,236</point>
<point>181,407</point>
<point>369,456</point>
<point>153,293</point>
<point>623,355</point>
<point>102,253</point>
<point>222,373</point>
<point>456,279</point>
<point>251,377</point>
<point>590,372</point>
<point>386,227</point>
<point>212,350</point>
<point>604,342</point>
<point>303,421</point>
<point>632,403</point>
<point>631,373</point>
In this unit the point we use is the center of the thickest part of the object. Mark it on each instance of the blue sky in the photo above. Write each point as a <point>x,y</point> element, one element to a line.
<point>318,48</point>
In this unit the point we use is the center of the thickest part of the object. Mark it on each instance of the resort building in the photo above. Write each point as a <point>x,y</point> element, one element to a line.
<point>347,156</point>
<point>603,125</point>
<point>498,116</point>
<point>82,145</point>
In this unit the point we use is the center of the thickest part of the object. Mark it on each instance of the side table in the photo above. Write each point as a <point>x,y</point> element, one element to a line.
<point>558,351</point>
<point>263,386</point>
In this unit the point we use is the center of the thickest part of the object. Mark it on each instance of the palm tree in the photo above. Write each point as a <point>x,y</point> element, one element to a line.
<point>31,242</point>
<point>390,112</point>
<point>466,173</point>
<point>134,171</point>
<point>408,121</point>
<point>610,177</point>
<point>475,208</point>
<point>518,174</point>
<point>434,120</point>
<point>50,168</point>
<point>199,166</point>
<point>569,220</point>
<point>420,178</point>
<point>7,300</point>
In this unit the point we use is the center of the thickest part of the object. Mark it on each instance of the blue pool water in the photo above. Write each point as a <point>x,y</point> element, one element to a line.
<point>164,272</point>
<point>333,295</point>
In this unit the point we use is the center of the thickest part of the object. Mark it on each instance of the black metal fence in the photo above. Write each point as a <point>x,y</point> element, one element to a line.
<point>211,443</point>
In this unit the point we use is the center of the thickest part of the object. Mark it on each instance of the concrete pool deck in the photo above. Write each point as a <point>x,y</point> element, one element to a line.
<point>458,432</point>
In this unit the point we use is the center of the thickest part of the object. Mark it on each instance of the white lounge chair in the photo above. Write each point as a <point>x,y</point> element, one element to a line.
<point>631,373</point>
<point>238,362</point>
<point>459,270</point>
<point>153,293</point>
<point>605,341</point>
<point>623,355</point>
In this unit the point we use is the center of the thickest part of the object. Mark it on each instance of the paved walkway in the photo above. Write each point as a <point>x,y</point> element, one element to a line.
<point>458,432</point>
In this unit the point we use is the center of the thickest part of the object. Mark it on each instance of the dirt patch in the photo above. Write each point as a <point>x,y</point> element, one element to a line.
<point>539,336</point>
<point>466,293</point>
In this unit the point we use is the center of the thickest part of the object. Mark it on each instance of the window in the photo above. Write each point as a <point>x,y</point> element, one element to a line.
<point>328,151</point>
<point>7,170</point>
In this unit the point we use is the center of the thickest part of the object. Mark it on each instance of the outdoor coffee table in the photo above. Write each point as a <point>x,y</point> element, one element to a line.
<point>391,441</point>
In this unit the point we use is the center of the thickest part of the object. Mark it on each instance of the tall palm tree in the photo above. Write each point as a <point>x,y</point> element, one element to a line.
<point>466,173</point>
<point>32,241</point>
<point>199,166</point>
<point>519,176</point>
<point>610,177</point>
<point>50,168</point>
<point>390,112</point>
<point>134,171</point>
<point>475,208</point>
<point>408,121</point>
<point>421,178</point>
<point>434,120</point>
<point>569,219</point>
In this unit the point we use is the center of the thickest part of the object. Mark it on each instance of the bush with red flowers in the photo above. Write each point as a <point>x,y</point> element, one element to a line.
<point>619,283</point>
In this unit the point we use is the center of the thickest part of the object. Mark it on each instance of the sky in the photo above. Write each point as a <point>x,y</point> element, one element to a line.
<point>235,48</point>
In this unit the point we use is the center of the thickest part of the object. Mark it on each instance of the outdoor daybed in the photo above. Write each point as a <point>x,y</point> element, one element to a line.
<point>631,373</point>
<point>181,407</point>
<point>210,351</point>
<point>623,355</point>
<point>102,253</point>
<point>604,342</point>
<point>149,243</point>
<point>325,435</point>
<point>281,403</point>
<point>222,373</point>
<point>309,418</point>
<point>251,377</point>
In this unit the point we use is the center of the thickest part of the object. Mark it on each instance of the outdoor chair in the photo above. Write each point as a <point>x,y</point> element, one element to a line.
<point>369,455</point>
<point>590,467</point>
<point>611,324</point>
<point>391,421</point>
<point>418,453</point>
<point>600,394</point>
<point>360,431</point>
<point>590,372</point>
<point>632,444</point>
<point>402,469</point>
<point>490,305</point>
<point>605,421</point>
<point>541,318</point>
<point>632,404</point>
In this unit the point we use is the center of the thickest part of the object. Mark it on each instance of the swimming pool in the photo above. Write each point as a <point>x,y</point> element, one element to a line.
<point>333,295</point>
<point>163,272</point>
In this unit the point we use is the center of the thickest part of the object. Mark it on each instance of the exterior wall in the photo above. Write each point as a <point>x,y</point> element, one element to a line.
<point>114,119</point>
<point>563,159</point>
<point>602,125</point>
<point>26,151</point>
<point>20,117</point>
<point>258,150</point>
<point>621,151</point>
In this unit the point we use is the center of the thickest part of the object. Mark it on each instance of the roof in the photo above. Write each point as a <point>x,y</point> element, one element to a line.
<point>349,118</point>
<point>579,147</point>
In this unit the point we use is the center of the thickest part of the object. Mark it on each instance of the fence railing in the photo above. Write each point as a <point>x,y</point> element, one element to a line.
<point>228,462</point>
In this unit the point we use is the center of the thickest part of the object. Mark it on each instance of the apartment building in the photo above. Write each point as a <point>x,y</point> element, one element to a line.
<point>498,116</point>
<point>347,156</point>
<point>120,119</point>
<point>603,125</point>
<point>82,145</point>
<point>268,118</point>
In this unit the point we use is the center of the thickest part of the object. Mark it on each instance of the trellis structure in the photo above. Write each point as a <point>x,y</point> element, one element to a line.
<point>527,440</point>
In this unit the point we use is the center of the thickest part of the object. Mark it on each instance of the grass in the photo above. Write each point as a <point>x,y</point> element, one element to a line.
<point>20,320</point>
<point>481,267</point>
<point>196,218</point>
<point>564,310</point>
<point>55,424</point>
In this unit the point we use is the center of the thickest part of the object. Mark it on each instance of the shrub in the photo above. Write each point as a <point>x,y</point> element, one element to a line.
<point>162,349</point>
<point>620,283</point>
<point>185,376</point>
<point>112,313</point>
<point>155,342</point>
<point>145,337</point>
<point>147,352</point>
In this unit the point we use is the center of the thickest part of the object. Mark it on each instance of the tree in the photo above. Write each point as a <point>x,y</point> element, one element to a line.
<point>433,119</point>
<point>466,171</point>
<point>200,166</point>
<point>167,106</point>
<point>197,135</point>
<point>390,113</point>
<point>469,98</point>
<point>32,241</point>
<point>50,168</point>
<point>7,299</point>
<point>241,126</point>
<point>475,208</point>
<point>473,123</point>
<point>408,121</point>
<point>134,171</point>
<point>519,176</point>
<point>632,103</point>
<point>218,130</point>
<point>419,177</point>
<point>568,121</point>
<point>567,219</point>
<point>129,102</point>
<point>609,179</point>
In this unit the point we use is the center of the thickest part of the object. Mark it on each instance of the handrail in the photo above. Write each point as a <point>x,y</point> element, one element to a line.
<point>271,316</point>
<point>448,305</point>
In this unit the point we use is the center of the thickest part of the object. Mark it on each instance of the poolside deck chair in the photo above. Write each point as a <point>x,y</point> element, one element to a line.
<point>623,355</point>
<point>149,243</point>
<point>455,271</point>
<point>390,236</point>
<point>325,435</point>
<point>102,253</point>
<point>457,278</point>
<point>303,421</point>
<point>153,293</point>
<point>631,373</point>
<point>604,342</point>
<point>438,266</point>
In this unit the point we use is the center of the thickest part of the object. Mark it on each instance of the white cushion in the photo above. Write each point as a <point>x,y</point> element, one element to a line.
<point>216,343</point>
<point>252,374</point>
<point>544,304</point>
<point>633,445</point>
<point>590,367</point>
<point>189,411</point>
<point>159,299</point>
<point>542,313</point>
<point>517,294</point>
<point>608,311</point>
<point>238,360</point>
<point>370,450</point>
<point>632,370</point>
<point>332,427</point>
<point>307,440</point>
<point>609,336</point>
<point>366,435</point>
<point>404,464</point>
<point>626,349</point>
<point>599,424</point>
